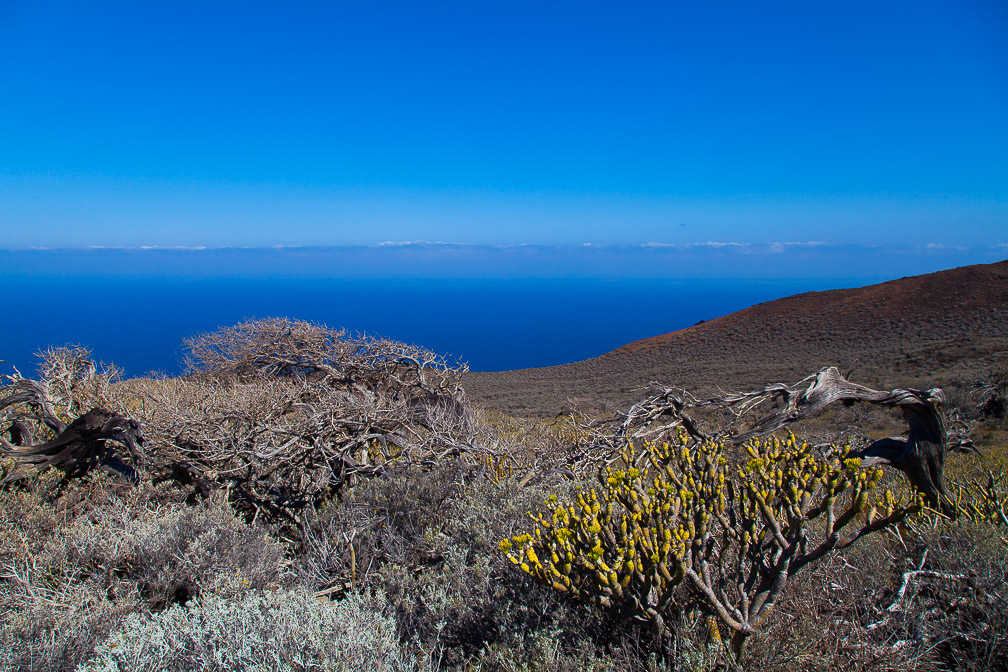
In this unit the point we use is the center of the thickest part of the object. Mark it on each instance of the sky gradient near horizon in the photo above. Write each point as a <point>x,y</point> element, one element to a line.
<point>548,124</point>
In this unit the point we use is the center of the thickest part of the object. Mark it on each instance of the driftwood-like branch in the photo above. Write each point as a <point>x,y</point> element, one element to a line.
<point>77,448</point>
<point>32,396</point>
<point>920,455</point>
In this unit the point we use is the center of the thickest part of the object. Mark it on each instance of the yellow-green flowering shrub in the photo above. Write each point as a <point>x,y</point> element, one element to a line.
<point>679,513</point>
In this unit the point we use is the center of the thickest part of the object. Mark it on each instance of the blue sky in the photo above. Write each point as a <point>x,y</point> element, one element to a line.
<point>853,124</point>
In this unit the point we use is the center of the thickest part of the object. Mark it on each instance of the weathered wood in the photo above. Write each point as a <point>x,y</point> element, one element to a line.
<point>80,447</point>
<point>32,395</point>
<point>86,443</point>
<point>920,455</point>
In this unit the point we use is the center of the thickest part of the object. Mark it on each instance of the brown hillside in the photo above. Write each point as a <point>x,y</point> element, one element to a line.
<point>922,330</point>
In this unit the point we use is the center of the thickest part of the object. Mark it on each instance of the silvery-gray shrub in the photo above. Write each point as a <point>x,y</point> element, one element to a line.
<point>69,574</point>
<point>259,631</point>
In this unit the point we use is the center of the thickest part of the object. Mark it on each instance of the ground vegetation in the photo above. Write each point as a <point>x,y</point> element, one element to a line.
<point>307,499</point>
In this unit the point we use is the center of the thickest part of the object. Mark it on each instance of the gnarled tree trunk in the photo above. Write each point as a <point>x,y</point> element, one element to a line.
<point>920,455</point>
<point>84,444</point>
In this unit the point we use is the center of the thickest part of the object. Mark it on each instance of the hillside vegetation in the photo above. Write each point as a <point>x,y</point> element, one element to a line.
<point>308,500</point>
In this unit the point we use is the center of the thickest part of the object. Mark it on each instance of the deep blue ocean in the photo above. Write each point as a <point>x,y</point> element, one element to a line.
<point>492,324</point>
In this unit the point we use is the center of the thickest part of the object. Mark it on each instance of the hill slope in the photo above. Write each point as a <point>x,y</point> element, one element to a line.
<point>916,331</point>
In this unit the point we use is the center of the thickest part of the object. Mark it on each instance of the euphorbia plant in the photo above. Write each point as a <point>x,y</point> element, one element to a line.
<point>671,514</point>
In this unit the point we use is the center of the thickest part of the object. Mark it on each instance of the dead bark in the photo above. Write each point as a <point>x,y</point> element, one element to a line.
<point>31,395</point>
<point>920,455</point>
<point>83,445</point>
<point>77,448</point>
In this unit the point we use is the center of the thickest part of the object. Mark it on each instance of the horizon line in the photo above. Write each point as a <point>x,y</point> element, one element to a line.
<point>728,245</point>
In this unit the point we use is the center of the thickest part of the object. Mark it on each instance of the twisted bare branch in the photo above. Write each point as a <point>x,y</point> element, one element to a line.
<point>920,455</point>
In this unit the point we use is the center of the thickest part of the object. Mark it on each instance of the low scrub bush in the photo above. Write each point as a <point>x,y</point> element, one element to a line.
<point>954,599</point>
<point>73,566</point>
<point>427,538</point>
<point>298,463</point>
<point>257,631</point>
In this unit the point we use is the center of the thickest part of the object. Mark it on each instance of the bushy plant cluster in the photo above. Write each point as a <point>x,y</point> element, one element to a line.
<point>426,538</point>
<point>74,563</point>
<point>958,598</point>
<point>680,514</point>
<point>286,630</point>
<point>78,565</point>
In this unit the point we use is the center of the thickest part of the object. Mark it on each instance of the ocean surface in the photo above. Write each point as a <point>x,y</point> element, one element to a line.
<point>492,324</point>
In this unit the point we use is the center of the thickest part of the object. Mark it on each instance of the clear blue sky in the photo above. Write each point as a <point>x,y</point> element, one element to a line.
<point>852,123</point>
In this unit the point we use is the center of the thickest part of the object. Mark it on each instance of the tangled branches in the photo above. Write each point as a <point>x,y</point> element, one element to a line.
<point>284,413</point>
<point>280,414</point>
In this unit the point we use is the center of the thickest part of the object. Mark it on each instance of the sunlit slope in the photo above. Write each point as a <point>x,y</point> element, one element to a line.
<point>921,330</point>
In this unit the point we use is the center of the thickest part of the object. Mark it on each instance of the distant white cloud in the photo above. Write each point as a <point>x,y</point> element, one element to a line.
<point>725,246</point>
<point>149,247</point>
<point>406,243</point>
<point>172,247</point>
<point>719,243</point>
<point>710,258</point>
<point>703,243</point>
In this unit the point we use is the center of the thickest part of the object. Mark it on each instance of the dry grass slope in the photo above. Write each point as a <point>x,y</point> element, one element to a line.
<point>935,329</point>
